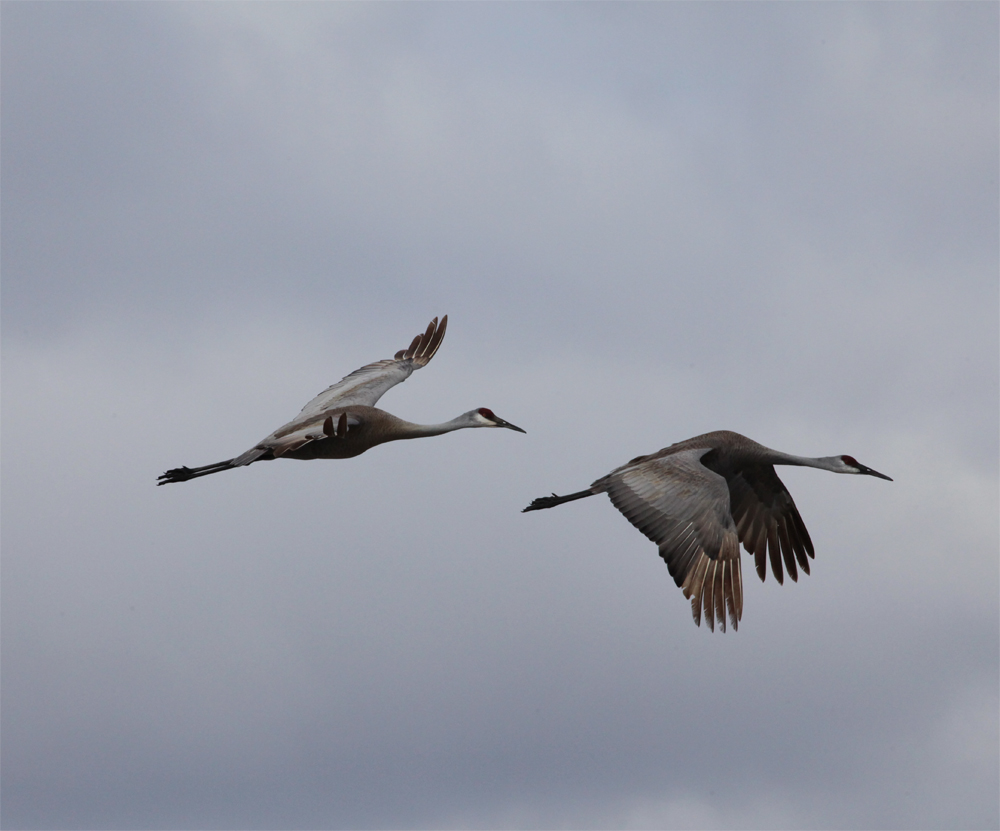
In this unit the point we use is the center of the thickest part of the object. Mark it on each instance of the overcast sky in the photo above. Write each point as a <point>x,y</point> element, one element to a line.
<point>645,222</point>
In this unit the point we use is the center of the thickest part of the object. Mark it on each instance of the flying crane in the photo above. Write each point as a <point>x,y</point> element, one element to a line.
<point>343,421</point>
<point>699,499</point>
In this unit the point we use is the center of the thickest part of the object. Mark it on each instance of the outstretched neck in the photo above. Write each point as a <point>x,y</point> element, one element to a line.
<point>834,463</point>
<point>409,430</point>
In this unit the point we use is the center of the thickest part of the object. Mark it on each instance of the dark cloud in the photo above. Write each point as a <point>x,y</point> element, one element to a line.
<point>645,222</point>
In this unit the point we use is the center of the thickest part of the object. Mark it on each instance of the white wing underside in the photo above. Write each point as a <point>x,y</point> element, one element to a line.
<point>683,507</point>
<point>363,387</point>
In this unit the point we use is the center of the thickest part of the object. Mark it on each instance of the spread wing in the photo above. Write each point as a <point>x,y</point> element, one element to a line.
<point>368,384</point>
<point>684,508</point>
<point>767,521</point>
<point>363,387</point>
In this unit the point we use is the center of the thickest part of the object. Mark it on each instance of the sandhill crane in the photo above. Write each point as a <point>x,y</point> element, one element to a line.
<point>343,421</point>
<point>699,499</point>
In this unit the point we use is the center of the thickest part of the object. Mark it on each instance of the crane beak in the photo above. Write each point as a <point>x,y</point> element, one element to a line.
<point>501,423</point>
<point>867,471</point>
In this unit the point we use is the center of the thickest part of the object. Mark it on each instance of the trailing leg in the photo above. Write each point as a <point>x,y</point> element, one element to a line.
<point>552,501</point>
<point>182,474</point>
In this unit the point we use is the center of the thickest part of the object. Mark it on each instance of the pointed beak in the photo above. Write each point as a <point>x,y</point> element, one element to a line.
<point>501,423</point>
<point>869,472</point>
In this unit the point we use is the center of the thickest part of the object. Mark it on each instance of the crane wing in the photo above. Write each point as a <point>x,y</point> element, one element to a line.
<point>684,508</point>
<point>767,521</point>
<point>365,386</point>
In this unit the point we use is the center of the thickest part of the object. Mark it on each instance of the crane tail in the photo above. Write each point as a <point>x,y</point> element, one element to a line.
<point>551,501</point>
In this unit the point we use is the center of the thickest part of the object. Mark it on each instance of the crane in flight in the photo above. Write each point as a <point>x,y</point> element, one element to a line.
<point>699,499</point>
<point>343,421</point>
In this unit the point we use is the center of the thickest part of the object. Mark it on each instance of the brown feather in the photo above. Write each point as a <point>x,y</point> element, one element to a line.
<point>719,593</point>
<point>708,594</point>
<point>786,552</point>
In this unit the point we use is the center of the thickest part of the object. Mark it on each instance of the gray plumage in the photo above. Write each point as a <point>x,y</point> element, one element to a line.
<point>343,421</point>
<point>699,499</point>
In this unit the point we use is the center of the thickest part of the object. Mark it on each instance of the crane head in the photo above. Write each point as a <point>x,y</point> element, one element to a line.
<point>485,417</point>
<point>852,465</point>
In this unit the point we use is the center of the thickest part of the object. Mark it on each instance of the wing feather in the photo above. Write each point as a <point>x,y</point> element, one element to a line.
<point>684,508</point>
<point>768,523</point>
<point>365,386</point>
<point>787,553</point>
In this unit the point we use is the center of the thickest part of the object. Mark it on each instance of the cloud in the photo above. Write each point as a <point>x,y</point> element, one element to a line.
<point>645,222</point>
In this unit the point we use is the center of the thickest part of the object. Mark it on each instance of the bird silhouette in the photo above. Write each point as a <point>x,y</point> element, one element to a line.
<point>343,421</point>
<point>699,499</point>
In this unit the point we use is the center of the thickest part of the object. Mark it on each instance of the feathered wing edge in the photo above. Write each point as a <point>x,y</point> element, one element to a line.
<point>769,524</point>
<point>715,586</point>
<point>426,345</point>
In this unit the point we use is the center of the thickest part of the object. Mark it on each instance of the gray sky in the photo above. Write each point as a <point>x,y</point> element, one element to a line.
<point>644,222</point>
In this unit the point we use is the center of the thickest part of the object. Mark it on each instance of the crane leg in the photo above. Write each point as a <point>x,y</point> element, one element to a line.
<point>552,501</point>
<point>182,474</point>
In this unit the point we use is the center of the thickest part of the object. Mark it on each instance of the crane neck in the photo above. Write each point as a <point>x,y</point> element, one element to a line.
<point>833,463</point>
<point>409,430</point>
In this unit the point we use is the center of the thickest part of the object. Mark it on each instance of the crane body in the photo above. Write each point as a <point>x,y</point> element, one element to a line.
<point>699,499</point>
<point>343,421</point>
